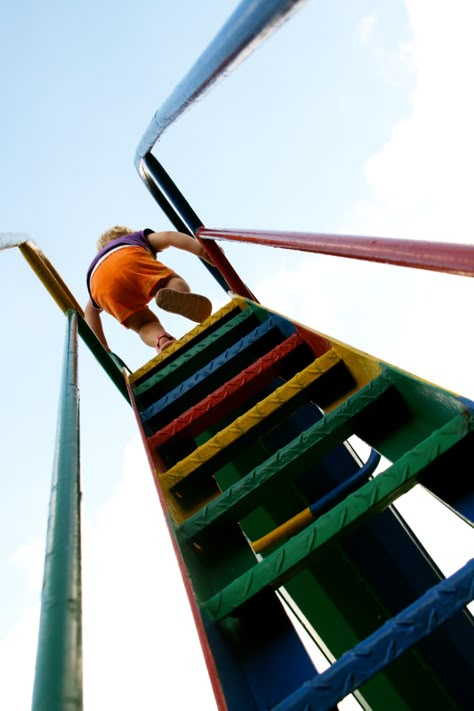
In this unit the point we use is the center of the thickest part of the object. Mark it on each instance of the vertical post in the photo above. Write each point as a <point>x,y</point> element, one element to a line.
<point>183,217</point>
<point>58,673</point>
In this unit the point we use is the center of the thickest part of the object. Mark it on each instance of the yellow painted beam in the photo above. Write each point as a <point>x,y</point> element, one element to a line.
<point>200,328</point>
<point>236,429</point>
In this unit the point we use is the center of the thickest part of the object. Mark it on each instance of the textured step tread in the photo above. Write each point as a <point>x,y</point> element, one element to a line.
<point>246,422</point>
<point>395,637</point>
<point>314,442</point>
<point>374,496</point>
<point>234,353</point>
<point>229,396</point>
<point>184,361</point>
<point>184,340</point>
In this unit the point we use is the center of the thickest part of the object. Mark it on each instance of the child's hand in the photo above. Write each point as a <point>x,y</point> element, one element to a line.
<point>204,255</point>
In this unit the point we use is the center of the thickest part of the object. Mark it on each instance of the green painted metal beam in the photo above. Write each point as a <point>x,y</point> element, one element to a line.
<point>240,498</point>
<point>110,362</point>
<point>374,496</point>
<point>58,672</point>
<point>210,346</point>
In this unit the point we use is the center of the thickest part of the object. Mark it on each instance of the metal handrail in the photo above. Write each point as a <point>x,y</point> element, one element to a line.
<point>181,214</point>
<point>58,671</point>
<point>451,258</point>
<point>251,23</point>
<point>318,508</point>
<point>66,301</point>
<point>42,268</point>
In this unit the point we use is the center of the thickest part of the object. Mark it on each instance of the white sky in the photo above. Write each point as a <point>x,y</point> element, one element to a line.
<point>353,119</point>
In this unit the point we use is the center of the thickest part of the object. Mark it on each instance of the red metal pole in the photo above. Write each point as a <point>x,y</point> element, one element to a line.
<point>225,267</point>
<point>435,256</point>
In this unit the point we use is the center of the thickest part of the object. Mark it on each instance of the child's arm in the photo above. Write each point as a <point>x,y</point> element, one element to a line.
<point>92,317</point>
<point>162,240</point>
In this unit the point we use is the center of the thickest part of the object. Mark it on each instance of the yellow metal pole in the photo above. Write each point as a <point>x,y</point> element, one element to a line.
<point>49,277</point>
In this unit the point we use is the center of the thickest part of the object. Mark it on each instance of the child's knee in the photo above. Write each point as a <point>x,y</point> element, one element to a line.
<point>176,282</point>
<point>139,319</point>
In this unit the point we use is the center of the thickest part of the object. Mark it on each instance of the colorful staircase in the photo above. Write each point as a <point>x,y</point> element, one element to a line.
<point>246,421</point>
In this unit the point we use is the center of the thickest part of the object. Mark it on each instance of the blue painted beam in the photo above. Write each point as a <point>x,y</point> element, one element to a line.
<point>395,637</point>
<point>218,371</point>
<point>251,23</point>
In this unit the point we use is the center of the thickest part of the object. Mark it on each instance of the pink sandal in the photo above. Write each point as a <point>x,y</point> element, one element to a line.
<point>168,342</point>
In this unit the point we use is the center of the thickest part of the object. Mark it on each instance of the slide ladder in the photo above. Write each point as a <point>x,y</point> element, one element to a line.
<point>251,424</point>
<point>278,454</point>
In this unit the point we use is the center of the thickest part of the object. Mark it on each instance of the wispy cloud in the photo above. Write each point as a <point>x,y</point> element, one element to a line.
<point>365,29</point>
<point>394,65</point>
<point>421,179</point>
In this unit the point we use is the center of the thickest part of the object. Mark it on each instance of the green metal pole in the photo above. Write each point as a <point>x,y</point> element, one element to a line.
<point>58,673</point>
<point>109,361</point>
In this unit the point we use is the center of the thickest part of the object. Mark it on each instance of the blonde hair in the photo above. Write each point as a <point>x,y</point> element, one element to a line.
<point>113,233</point>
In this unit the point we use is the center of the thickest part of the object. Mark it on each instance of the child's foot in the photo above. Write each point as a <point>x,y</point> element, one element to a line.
<point>193,306</point>
<point>163,342</point>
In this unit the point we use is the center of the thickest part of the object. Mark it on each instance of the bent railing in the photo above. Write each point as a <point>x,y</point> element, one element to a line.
<point>66,301</point>
<point>251,23</point>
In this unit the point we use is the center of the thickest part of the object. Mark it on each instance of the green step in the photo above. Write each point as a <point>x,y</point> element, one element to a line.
<point>197,356</point>
<point>371,498</point>
<point>315,442</point>
<point>227,312</point>
<point>220,448</point>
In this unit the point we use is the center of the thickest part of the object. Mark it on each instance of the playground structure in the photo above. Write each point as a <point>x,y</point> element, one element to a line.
<point>246,421</point>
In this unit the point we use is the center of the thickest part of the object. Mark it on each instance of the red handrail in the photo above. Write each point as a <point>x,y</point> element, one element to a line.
<point>435,256</point>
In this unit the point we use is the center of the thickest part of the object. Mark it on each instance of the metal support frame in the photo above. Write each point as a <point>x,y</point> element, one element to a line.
<point>64,298</point>
<point>58,673</point>
<point>183,217</point>
<point>449,258</point>
<point>251,23</point>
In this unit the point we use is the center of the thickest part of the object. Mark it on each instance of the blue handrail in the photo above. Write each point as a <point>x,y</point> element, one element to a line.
<point>251,23</point>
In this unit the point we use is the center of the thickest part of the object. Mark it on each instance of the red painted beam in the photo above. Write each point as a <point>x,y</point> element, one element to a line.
<point>226,269</point>
<point>434,256</point>
<point>227,397</point>
<point>154,462</point>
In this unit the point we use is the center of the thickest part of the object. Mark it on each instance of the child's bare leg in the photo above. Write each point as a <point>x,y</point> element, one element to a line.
<point>148,327</point>
<point>178,284</point>
<point>177,297</point>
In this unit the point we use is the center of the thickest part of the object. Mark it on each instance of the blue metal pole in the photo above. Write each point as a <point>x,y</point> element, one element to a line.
<point>58,673</point>
<point>251,23</point>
